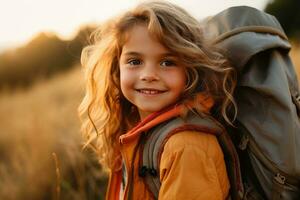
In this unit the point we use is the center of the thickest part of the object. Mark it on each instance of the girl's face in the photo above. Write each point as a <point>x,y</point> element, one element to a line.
<point>151,76</point>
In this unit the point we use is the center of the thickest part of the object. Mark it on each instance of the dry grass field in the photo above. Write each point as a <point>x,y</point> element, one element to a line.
<point>36,125</point>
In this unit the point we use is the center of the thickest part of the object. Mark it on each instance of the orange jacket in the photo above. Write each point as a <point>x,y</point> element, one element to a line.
<point>191,165</point>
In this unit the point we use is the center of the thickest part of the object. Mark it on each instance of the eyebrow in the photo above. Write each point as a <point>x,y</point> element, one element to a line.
<point>133,53</point>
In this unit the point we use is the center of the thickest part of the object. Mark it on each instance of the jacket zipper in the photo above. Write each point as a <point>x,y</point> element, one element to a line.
<point>127,177</point>
<point>130,172</point>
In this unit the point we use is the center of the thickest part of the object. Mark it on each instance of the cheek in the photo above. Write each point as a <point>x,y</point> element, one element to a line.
<point>178,80</point>
<point>126,81</point>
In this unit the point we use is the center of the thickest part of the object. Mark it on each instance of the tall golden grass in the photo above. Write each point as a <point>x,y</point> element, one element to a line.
<point>40,144</point>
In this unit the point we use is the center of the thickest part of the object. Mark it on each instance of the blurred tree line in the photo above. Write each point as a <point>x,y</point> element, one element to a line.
<point>47,54</point>
<point>288,14</point>
<point>42,57</point>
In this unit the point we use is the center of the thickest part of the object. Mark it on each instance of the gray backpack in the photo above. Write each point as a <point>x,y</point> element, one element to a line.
<point>263,153</point>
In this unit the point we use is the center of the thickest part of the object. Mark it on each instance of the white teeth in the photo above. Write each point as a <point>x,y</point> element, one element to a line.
<point>149,91</point>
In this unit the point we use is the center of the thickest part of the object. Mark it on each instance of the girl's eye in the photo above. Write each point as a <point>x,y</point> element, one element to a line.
<point>168,63</point>
<point>134,62</point>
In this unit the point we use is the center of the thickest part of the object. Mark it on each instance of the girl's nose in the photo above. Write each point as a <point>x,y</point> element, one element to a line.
<point>149,74</point>
<point>149,78</point>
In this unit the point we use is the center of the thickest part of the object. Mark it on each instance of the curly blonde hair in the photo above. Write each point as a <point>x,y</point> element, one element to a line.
<point>104,110</point>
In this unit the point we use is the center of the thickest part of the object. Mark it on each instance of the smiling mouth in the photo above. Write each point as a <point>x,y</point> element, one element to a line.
<point>150,91</point>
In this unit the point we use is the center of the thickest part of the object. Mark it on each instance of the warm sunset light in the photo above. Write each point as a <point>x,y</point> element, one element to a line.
<point>21,20</point>
<point>84,104</point>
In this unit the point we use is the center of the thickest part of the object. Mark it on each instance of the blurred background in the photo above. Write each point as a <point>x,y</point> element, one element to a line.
<point>41,86</point>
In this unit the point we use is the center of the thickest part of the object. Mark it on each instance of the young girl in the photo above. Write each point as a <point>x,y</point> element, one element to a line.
<point>147,66</point>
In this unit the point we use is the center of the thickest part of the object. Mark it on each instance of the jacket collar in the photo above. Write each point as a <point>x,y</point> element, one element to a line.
<point>203,101</point>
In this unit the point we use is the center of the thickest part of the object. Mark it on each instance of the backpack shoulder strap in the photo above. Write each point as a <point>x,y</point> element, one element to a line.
<point>158,136</point>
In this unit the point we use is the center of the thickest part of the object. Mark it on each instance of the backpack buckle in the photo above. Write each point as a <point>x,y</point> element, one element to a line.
<point>279,178</point>
<point>296,101</point>
<point>142,171</point>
